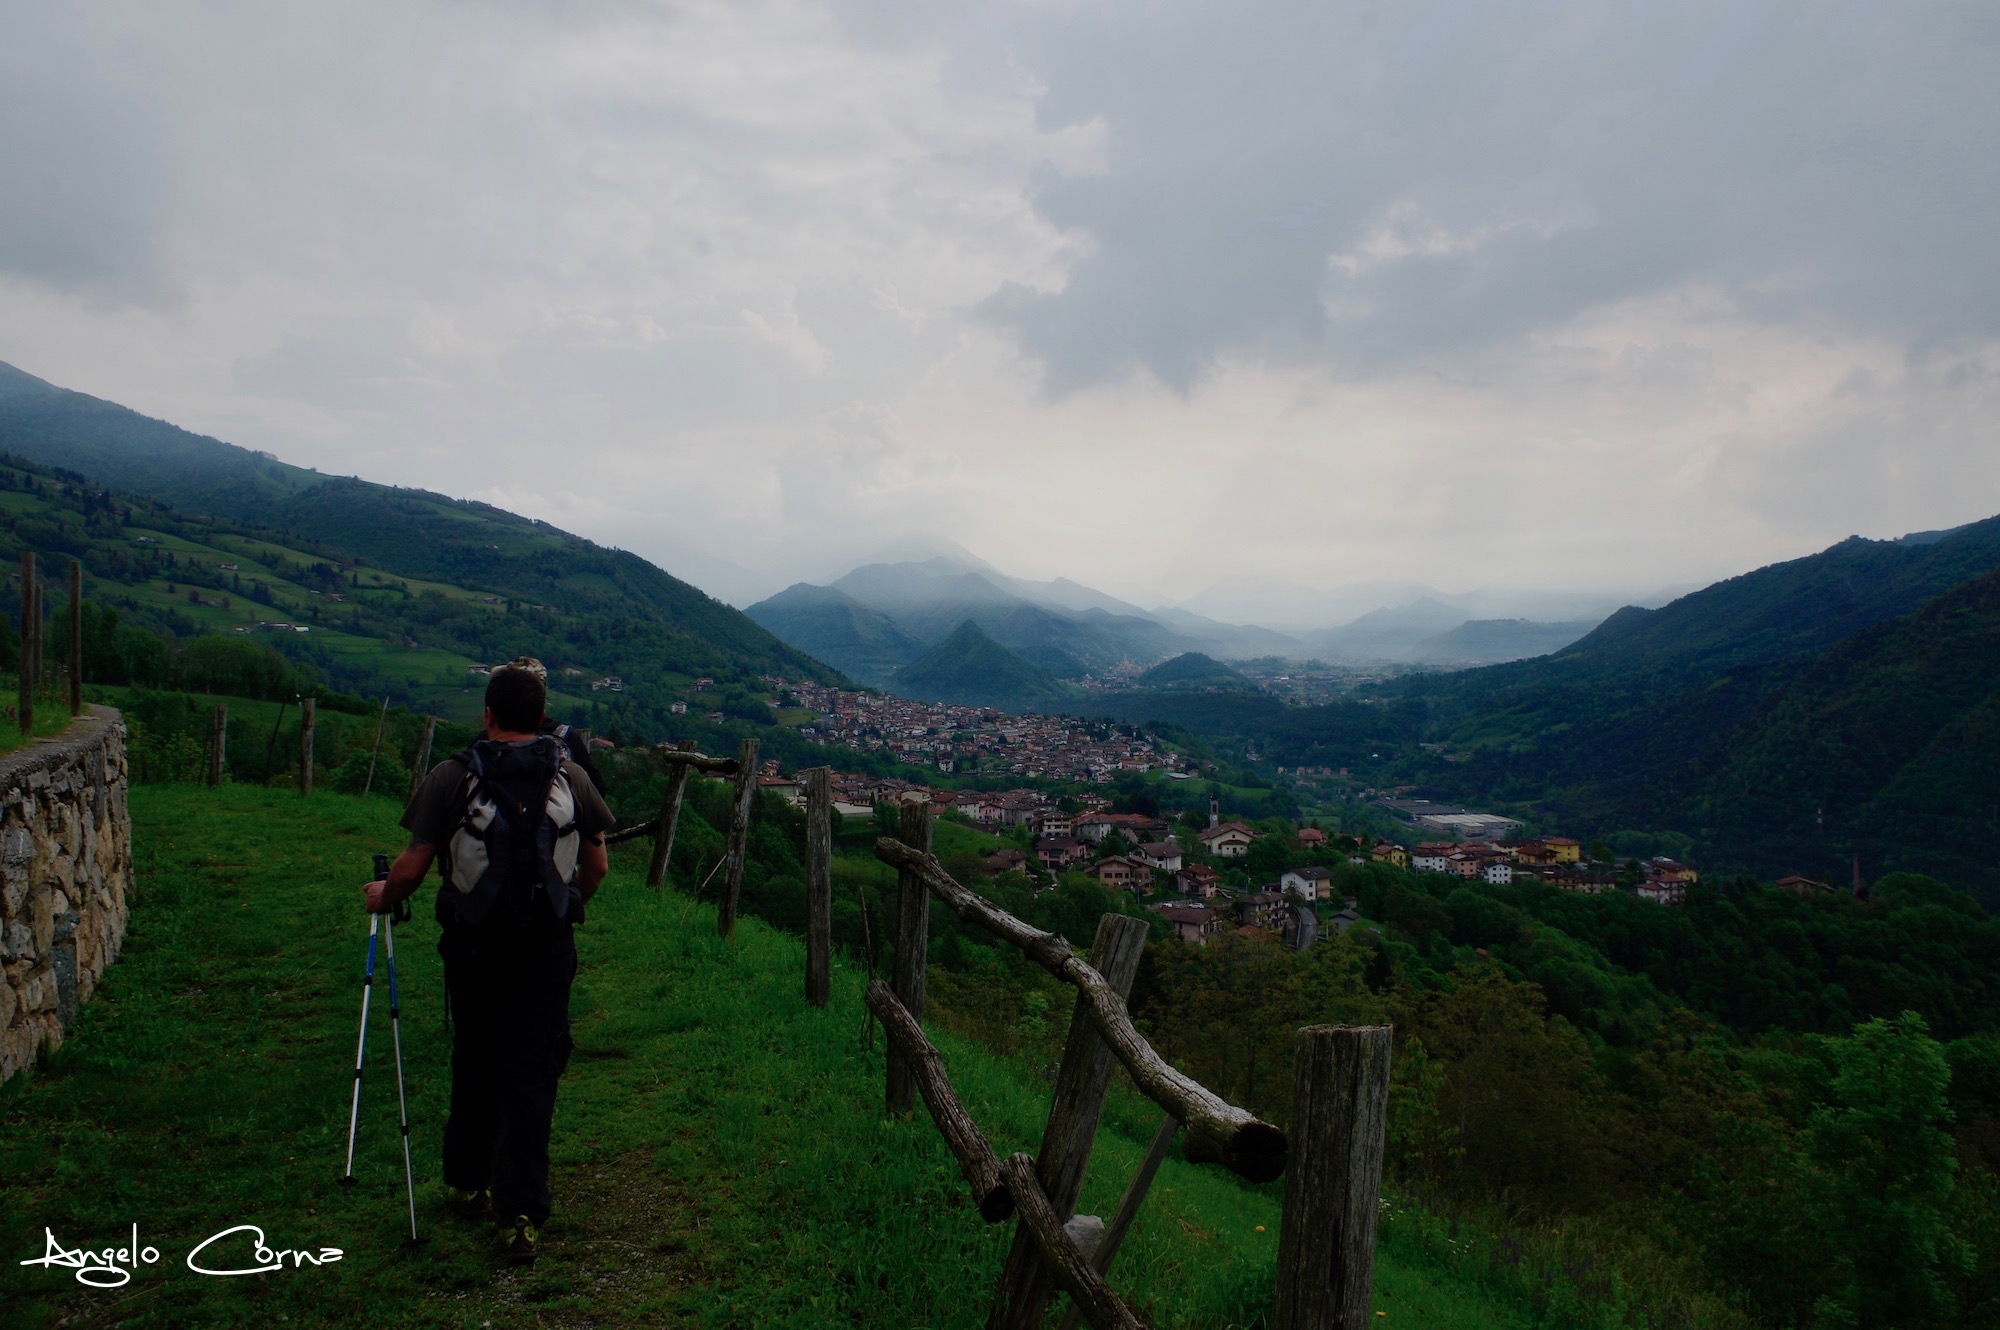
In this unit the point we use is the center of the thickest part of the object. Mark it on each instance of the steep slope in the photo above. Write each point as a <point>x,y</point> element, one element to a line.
<point>412,533</point>
<point>117,446</point>
<point>1883,748</point>
<point>1786,609</point>
<point>859,641</point>
<point>971,669</point>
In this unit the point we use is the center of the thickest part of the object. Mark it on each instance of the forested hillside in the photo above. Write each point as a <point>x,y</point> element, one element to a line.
<point>1882,749</point>
<point>400,591</point>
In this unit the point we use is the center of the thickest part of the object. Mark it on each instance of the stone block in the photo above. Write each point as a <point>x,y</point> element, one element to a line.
<point>63,971</point>
<point>17,1047</point>
<point>42,919</point>
<point>10,1002</point>
<point>17,942</point>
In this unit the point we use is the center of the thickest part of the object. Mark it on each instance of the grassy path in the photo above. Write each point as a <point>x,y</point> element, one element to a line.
<point>720,1156</point>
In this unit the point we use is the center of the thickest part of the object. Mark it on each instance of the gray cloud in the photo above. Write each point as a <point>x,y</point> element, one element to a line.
<point>80,158</point>
<point>1438,292</point>
<point>1314,180</point>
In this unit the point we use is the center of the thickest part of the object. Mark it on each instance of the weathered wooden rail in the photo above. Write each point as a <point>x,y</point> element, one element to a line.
<point>1331,1161</point>
<point>1327,1233</point>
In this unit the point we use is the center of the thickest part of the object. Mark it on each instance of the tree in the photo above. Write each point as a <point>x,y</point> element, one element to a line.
<point>1884,1145</point>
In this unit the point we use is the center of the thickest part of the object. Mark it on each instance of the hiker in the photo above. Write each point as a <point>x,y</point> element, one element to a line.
<point>574,741</point>
<point>520,832</point>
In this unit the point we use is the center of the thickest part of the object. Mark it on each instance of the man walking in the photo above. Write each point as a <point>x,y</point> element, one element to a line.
<point>518,829</point>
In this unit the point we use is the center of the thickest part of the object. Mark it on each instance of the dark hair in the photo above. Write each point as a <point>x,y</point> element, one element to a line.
<point>517,699</point>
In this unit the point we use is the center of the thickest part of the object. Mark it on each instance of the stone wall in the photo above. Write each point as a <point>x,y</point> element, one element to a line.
<point>65,877</point>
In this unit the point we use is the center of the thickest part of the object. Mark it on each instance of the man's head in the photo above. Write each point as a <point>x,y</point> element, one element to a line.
<point>515,699</point>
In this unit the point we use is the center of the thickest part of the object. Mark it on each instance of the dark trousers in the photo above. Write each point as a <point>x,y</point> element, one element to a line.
<point>510,1043</point>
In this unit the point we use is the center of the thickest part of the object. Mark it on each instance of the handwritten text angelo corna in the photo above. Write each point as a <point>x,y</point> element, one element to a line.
<point>218,1254</point>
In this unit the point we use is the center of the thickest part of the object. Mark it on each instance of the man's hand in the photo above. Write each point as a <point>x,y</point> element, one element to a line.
<point>405,876</point>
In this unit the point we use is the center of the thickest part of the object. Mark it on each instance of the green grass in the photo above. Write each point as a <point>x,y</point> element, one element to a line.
<point>51,715</point>
<point>721,1158</point>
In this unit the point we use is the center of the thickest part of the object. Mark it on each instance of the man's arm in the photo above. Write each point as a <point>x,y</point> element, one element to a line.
<point>593,861</point>
<point>407,874</point>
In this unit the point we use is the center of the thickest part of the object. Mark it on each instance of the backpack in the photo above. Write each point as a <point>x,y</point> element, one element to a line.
<point>516,838</point>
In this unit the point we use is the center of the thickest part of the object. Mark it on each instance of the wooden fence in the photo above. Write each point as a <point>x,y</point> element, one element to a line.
<point>1331,1160</point>
<point>34,681</point>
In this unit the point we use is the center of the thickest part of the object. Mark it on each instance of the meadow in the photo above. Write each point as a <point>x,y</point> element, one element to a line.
<point>721,1154</point>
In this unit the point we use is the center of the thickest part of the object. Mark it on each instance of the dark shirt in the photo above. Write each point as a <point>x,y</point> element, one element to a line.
<point>433,811</point>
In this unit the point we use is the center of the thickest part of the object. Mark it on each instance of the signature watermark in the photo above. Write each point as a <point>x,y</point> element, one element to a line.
<point>238,1250</point>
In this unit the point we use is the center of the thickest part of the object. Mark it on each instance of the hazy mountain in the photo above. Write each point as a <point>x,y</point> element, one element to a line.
<point>1068,635</point>
<point>1293,607</point>
<point>1492,641</point>
<point>1385,634</point>
<point>1228,641</point>
<point>971,669</point>
<point>828,625</point>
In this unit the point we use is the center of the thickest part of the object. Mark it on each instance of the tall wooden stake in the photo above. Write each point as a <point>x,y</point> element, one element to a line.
<point>739,836</point>
<point>1081,1087</point>
<point>307,707</point>
<point>41,632</point>
<point>218,744</point>
<point>670,817</point>
<point>1326,1244</point>
<point>27,702</point>
<point>380,722</point>
<point>75,638</point>
<point>819,885</point>
<point>423,754</point>
<point>913,941</point>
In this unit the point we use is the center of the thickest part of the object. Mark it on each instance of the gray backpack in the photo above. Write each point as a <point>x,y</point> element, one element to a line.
<point>514,848</point>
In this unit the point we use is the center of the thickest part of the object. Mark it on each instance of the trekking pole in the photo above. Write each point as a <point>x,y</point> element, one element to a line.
<point>360,1049</point>
<point>400,910</point>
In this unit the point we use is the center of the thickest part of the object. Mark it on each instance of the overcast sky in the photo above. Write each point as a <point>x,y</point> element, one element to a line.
<point>1151,295</point>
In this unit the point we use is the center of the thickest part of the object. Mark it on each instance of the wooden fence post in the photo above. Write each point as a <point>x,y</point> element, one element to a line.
<point>381,722</point>
<point>307,707</point>
<point>670,817</point>
<point>218,744</point>
<point>739,836</point>
<point>1078,1102</point>
<point>913,942</point>
<point>423,754</point>
<point>819,885</point>
<point>27,702</point>
<point>1326,1238</point>
<point>75,638</point>
<point>41,631</point>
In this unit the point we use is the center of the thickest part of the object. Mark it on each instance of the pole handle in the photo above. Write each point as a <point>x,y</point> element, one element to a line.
<point>400,912</point>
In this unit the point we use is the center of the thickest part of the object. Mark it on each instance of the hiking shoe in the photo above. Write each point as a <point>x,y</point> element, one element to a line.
<point>468,1204</point>
<point>520,1242</point>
